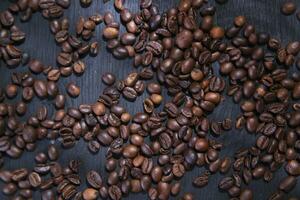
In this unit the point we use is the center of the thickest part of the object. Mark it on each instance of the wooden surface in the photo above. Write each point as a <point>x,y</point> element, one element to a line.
<point>40,44</point>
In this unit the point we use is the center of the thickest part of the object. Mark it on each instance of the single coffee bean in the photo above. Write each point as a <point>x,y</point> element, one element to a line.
<point>9,189</point>
<point>90,194</point>
<point>184,39</point>
<point>246,194</point>
<point>11,90</point>
<point>36,66</point>
<point>288,8</point>
<point>108,78</point>
<point>34,179</point>
<point>86,3</point>
<point>53,153</point>
<point>40,88</point>
<point>201,180</point>
<point>94,179</point>
<point>73,90</point>
<point>288,183</point>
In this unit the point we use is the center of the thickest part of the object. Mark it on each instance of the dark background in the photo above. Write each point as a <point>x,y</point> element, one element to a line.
<point>265,14</point>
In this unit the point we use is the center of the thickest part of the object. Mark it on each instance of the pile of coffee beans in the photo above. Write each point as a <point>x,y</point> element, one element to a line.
<point>173,52</point>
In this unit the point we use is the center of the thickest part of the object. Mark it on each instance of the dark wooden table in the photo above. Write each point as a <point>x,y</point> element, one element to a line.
<point>40,44</point>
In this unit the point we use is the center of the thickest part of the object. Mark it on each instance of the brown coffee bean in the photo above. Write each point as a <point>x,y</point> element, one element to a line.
<point>201,180</point>
<point>34,179</point>
<point>246,194</point>
<point>114,192</point>
<point>184,39</point>
<point>73,90</point>
<point>178,170</point>
<point>59,101</point>
<point>11,90</point>
<point>98,108</point>
<point>53,153</point>
<point>90,194</point>
<point>217,32</point>
<point>94,179</point>
<point>40,88</point>
<point>36,66</point>
<point>293,167</point>
<point>9,189</point>
<point>288,8</point>
<point>108,78</point>
<point>130,151</point>
<point>288,183</point>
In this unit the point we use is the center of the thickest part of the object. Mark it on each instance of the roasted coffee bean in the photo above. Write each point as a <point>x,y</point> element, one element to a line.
<point>40,88</point>
<point>6,18</point>
<point>86,3</point>
<point>201,180</point>
<point>226,183</point>
<point>288,8</point>
<point>114,192</point>
<point>110,33</point>
<point>94,146</point>
<point>59,101</point>
<point>184,39</point>
<point>79,67</point>
<point>108,78</point>
<point>36,66</point>
<point>246,194</point>
<point>9,189</point>
<point>34,179</point>
<point>90,193</point>
<point>53,153</point>
<point>94,179</point>
<point>11,90</point>
<point>129,93</point>
<point>73,90</point>
<point>288,183</point>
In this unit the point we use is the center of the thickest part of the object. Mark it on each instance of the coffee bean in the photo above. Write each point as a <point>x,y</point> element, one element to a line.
<point>178,170</point>
<point>73,90</point>
<point>246,194</point>
<point>11,90</point>
<point>288,8</point>
<point>36,66</point>
<point>184,39</point>
<point>53,153</point>
<point>217,32</point>
<point>59,101</point>
<point>110,33</point>
<point>288,183</point>
<point>201,180</point>
<point>40,88</point>
<point>34,179</point>
<point>79,67</point>
<point>9,189</point>
<point>108,78</point>
<point>94,146</point>
<point>90,194</point>
<point>175,189</point>
<point>86,3</point>
<point>114,192</point>
<point>94,179</point>
<point>129,93</point>
<point>6,18</point>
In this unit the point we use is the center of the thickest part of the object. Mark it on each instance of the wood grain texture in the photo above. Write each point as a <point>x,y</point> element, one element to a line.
<point>265,14</point>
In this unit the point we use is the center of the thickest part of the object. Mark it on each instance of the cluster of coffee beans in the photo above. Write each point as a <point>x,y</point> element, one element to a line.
<point>151,151</point>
